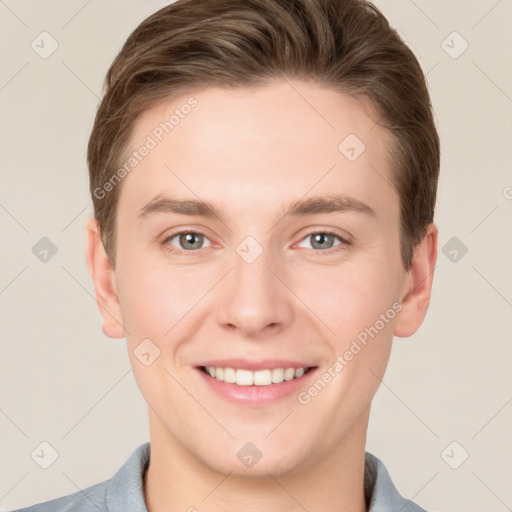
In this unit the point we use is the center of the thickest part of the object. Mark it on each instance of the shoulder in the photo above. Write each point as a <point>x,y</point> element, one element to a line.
<point>121,493</point>
<point>91,499</point>
<point>381,493</point>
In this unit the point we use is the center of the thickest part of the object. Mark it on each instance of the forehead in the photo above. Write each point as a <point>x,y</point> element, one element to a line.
<point>261,147</point>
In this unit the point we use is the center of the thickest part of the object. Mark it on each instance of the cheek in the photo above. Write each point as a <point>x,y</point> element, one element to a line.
<point>156,297</point>
<point>350,299</point>
<point>157,304</point>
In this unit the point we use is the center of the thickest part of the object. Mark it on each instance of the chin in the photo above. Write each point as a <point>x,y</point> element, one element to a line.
<point>251,462</point>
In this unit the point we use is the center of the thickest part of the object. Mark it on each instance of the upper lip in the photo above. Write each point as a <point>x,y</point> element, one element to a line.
<point>255,365</point>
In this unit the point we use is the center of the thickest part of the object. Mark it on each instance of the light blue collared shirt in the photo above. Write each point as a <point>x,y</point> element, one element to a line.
<point>124,491</point>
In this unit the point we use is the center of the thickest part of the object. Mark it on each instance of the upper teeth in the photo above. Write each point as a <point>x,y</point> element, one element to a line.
<point>258,378</point>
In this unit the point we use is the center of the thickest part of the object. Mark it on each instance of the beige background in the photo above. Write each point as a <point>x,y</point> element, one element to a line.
<point>62,381</point>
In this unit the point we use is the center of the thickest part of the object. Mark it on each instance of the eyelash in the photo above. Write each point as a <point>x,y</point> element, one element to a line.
<point>342,246</point>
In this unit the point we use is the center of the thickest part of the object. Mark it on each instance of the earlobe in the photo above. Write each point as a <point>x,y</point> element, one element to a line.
<point>416,297</point>
<point>103,276</point>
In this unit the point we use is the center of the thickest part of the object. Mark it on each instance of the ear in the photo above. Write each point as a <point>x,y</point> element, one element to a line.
<point>103,276</point>
<point>418,285</point>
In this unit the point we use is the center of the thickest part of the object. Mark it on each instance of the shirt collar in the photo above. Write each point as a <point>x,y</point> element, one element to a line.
<point>125,492</point>
<point>380,493</point>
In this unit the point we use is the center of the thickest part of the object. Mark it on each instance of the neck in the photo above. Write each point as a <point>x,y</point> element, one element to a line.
<point>177,481</point>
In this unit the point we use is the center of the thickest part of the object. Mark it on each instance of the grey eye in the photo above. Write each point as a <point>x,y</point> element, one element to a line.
<point>322,240</point>
<point>189,240</point>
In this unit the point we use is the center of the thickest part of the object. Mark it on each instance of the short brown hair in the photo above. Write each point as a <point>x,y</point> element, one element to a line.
<point>347,45</point>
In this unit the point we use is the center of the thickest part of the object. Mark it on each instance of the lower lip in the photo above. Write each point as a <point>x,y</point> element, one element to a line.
<point>256,396</point>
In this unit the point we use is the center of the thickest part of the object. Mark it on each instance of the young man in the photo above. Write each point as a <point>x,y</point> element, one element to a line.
<point>264,177</point>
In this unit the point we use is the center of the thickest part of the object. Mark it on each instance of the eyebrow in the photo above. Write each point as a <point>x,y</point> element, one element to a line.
<point>302,207</point>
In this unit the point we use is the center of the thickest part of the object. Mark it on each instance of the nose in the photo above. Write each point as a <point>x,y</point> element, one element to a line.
<point>253,300</point>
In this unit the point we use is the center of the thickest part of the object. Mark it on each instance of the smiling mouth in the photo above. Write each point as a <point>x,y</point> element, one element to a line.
<point>265,377</point>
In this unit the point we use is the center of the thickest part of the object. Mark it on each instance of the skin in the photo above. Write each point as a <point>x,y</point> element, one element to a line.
<point>252,152</point>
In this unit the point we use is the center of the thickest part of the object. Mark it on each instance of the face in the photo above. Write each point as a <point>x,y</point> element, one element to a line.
<point>284,259</point>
